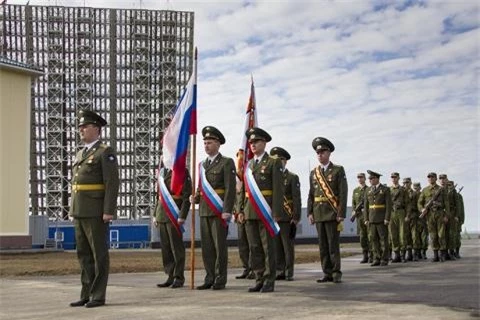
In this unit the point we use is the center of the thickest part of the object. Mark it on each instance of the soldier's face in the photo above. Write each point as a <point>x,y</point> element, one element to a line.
<point>258,146</point>
<point>361,180</point>
<point>432,179</point>
<point>211,146</point>
<point>395,180</point>
<point>323,156</point>
<point>443,181</point>
<point>88,133</point>
<point>374,180</point>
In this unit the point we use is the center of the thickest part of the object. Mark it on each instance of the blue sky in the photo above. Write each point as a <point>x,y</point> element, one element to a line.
<point>395,86</point>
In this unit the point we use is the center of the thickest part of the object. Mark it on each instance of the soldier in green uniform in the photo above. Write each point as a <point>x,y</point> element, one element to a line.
<point>292,206</point>
<point>267,173</point>
<point>422,228</point>
<point>326,208</point>
<point>219,175</point>
<point>400,216</point>
<point>171,238</point>
<point>433,203</point>
<point>451,226</point>
<point>95,185</point>
<point>461,220</point>
<point>411,234</point>
<point>242,241</point>
<point>378,208</point>
<point>358,203</point>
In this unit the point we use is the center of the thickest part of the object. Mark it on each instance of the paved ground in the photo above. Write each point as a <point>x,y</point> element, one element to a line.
<point>421,290</point>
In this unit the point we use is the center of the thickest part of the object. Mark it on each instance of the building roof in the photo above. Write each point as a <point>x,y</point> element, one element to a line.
<point>13,65</point>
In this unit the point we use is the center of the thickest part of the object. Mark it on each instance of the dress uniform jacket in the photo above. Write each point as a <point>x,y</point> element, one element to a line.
<point>221,175</point>
<point>269,178</point>
<point>318,204</point>
<point>95,182</point>
<point>378,204</point>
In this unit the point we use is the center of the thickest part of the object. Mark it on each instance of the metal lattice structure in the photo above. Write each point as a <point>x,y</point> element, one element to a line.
<point>128,65</point>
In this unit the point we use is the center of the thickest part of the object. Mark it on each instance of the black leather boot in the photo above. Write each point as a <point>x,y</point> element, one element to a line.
<point>397,258</point>
<point>365,257</point>
<point>409,255</point>
<point>435,256</point>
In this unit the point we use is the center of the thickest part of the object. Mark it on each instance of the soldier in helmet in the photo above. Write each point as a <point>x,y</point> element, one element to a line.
<point>326,208</point>
<point>95,185</point>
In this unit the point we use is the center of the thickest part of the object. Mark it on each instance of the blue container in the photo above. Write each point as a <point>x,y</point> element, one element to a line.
<point>68,242</point>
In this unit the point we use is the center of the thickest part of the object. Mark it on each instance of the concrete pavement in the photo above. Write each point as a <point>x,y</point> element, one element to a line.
<point>421,290</point>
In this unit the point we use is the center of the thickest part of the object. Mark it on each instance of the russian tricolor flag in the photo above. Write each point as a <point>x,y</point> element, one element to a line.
<point>177,134</point>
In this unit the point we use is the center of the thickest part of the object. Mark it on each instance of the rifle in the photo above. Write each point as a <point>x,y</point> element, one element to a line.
<point>430,203</point>
<point>460,190</point>
<point>357,209</point>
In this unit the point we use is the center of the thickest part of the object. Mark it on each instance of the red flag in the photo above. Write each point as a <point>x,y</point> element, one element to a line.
<point>245,153</point>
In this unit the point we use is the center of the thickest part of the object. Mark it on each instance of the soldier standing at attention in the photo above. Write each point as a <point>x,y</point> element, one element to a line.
<point>95,185</point>
<point>422,227</point>
<point>216,196</point>
<point>461,219</point>
<point>262,206</point>
<point>433,203</point>
<point>399,218</point>
<point>378,207</point>
<point>292,206</point>
<point>358,203</point>
<point>412,237</point>
<point>452,224</point>
<point>171,211</point>
<point>326,208</point>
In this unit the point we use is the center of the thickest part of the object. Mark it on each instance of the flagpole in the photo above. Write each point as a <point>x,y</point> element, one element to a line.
<point>194,167</point>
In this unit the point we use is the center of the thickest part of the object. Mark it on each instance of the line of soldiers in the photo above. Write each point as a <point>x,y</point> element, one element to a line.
<point>265,202</point>
<point>400,219</point>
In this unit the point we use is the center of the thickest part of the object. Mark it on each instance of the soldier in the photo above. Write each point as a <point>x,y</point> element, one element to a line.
<point>451,226</point>
<point>262,205</point>
<point>292,206</point>
<point>422,228</point>
<point>461,220</point>
<point>326,207</point>
<point>400,216</point>
<point>378,207</point>
<point>243,247</point>
<point>358,198</point>
<point>216,196</point>
<point>411,232</point>
<point>171,211</point>
<point>95,185</point>
<point>433,203</point>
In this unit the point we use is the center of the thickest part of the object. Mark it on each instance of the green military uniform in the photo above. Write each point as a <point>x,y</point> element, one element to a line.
<point>451,227</point>
<point>242,241</point>
<point>438,211</point>
<point>377,212</point>
<point>422,228</point>
<point>220,174</point>
<point>171,241</point>
<point>461,220</point>
<point>326,217</point>
<point>400,212</point>
<point>412,237</point>
<point>95,184</point>
<point>267,173</point>
<point>358,197</point>
<point>290,215</point>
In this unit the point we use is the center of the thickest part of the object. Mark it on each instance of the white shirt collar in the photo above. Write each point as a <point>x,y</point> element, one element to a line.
<point>91,144</point>
<point>259,158</point>
<point>211,158</point>
<point>325,167</point>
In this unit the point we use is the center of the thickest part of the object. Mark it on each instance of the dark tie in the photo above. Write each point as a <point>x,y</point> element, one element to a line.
<point>323,170</point>
<point>208,162</point>
<point>256,161</point>
<point>84,154</point>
